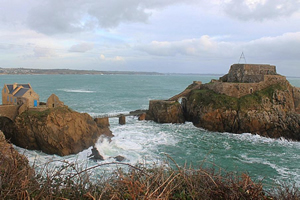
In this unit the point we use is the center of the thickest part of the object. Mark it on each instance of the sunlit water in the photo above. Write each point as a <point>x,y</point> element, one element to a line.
<point>270,160</point>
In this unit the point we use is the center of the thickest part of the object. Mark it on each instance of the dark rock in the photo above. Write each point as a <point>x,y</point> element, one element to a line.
<point>119,158</point>
<point>95,154</point>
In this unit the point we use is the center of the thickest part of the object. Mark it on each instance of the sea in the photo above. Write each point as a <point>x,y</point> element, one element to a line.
<point>272,161</point>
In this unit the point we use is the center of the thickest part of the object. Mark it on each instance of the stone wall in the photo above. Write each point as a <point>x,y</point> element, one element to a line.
<point>248,73</point>
<point>53,102</point>
<point>241,89</point>
<point>9,111</point>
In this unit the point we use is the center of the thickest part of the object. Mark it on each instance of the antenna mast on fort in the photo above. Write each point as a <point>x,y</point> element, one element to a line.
<point>242,57</point>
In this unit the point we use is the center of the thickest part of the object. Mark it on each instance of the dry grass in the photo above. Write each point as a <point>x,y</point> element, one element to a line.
<point>70,181</point>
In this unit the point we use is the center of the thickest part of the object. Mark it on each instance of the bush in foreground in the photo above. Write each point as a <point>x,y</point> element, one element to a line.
<point>69,181</point>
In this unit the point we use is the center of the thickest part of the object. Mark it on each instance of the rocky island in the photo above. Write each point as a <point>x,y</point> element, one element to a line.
<point>51,127</point>
<point>251,98</point>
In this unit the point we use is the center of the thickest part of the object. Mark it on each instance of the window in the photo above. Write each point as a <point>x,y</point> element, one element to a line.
<point>10,99</point>
<point>4,90</point>
<point>15,100</point>
<point>7,99</point>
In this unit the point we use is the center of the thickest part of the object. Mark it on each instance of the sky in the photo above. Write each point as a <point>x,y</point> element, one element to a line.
<point>167,36</point>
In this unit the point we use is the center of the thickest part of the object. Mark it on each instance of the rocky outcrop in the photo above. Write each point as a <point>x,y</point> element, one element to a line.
<point>13,166</point>
<point>249,99</point>
<point>165,112</point>
<point>56,131</point>
<point>271,112</point>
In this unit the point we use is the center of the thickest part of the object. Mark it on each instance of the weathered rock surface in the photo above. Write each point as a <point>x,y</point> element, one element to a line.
<point>12,163</point>
<point>271,112</point>
<point>56,131</point>
<point>165,112</point>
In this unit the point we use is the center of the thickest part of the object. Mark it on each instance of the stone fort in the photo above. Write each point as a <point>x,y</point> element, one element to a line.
<point>243,79</point>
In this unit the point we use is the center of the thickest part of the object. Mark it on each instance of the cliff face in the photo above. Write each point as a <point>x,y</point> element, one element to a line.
<point>165,112</point>
<point>272,112</point>
<point>56,131</point>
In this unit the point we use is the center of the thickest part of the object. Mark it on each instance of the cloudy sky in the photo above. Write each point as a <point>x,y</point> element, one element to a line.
<point>170,36</point>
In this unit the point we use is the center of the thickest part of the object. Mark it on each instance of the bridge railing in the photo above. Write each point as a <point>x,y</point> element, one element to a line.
<point>133,113</point>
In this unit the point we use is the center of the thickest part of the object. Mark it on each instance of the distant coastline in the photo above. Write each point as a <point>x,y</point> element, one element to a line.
<point>29,71</point>
<point>16,71</point>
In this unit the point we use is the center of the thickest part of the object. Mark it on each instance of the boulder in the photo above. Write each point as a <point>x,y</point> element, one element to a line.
<point>95,155</point>
<point>162,111</point>
<point>119,158</point>
<point>57,130</point>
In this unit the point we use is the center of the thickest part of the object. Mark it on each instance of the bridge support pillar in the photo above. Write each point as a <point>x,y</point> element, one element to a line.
<point>122,119</point>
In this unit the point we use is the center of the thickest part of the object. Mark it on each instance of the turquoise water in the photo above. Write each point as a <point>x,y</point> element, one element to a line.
<point>147,142</point>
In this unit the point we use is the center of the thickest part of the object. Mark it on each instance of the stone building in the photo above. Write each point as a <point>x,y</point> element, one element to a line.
<point>18,94</point>
<point>243,79</point>
<point>248,73</point>
<point>53,102</point>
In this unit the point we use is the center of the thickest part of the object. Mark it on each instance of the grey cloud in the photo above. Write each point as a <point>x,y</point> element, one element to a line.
<point>261,10</point>
<point>51,17</point>
<point>55,16</point>
<point>82,47</point>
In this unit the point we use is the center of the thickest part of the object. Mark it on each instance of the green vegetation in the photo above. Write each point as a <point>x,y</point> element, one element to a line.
<point>69,181</point>
<point>207,97</point>
<point>44,113</point>
<point>37,114</point>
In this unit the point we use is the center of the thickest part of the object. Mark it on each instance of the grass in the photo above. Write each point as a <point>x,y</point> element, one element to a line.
<point>41,115</point>
<point>69,181</point>
<point>206,97</point>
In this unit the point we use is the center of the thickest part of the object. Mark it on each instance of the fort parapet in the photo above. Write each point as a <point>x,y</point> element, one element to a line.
<point>248,73</point>
<point>244,79</point>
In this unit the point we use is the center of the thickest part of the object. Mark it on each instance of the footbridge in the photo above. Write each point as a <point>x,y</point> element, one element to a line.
<point>121,116</point>
<point>132,113</point>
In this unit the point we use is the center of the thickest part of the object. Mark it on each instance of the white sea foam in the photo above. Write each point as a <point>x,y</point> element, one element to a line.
<point>77,90</point>
<point>257,139</point>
